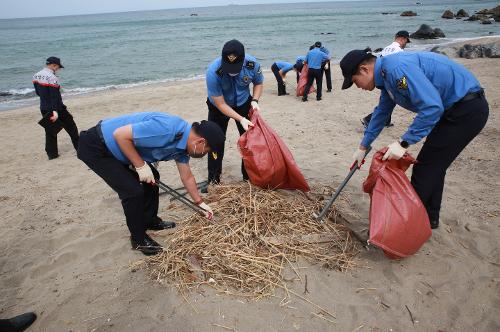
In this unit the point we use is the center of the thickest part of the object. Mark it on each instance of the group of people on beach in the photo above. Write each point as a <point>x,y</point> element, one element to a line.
<point>449,102</point>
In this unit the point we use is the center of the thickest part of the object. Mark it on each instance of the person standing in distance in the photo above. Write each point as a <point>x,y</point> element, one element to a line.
<point>314,59</point>
<point>398,45</point>
<point>450,108</point>
<point>228,81</point>
<point>47,87</point>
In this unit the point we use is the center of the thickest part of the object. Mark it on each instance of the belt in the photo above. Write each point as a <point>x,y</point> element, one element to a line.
<point>471,96</point>
<point>99,132</point>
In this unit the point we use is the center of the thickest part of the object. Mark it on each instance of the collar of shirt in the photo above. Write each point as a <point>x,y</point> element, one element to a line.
<point>182,144</point>
<point>378,74</point>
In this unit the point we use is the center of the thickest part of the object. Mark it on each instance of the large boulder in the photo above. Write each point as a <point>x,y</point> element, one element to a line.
<point>447,14</point>
<point>478,51</point>
<point>408,13</point>
<point>462,13</point>
<point>426,32</point>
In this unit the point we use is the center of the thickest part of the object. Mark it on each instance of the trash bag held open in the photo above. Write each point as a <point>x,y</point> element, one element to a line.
<point>267,160</point>
<point>301,85</point>
<point>399,224</point>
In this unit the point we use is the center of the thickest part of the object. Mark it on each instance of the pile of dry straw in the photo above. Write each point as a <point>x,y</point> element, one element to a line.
<point>256,235</point>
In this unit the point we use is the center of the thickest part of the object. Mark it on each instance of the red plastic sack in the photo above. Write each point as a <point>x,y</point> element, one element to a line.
<point>267,160</point>
<point>398,220</point>
<point>301,85</point>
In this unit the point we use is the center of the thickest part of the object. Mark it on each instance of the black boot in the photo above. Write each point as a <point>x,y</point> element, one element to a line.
<point>18,323</point>
<point>148,246</point>
<point>434,224</point>
<point>158,225</point>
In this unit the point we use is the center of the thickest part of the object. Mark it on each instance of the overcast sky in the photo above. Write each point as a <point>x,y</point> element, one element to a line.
<point>35,8</point>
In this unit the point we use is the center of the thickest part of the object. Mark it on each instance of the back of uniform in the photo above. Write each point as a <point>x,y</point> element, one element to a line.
<point>315,59</point>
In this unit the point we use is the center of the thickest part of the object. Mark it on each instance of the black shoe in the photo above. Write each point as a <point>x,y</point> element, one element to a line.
<point>318,98</point>
<point>389,125</point>
<point>159,225</point>
<point>304,99</point>
<point>329,90</point>
<point>19,323</point>
<point>54,156</point>
<point>210,181</point>
<point>148,246</point>
<point>434,224</point>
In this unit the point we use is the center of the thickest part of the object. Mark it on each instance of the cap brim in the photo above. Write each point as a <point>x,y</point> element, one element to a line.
<point>409,41</point>
<point>61,66</point>
<point>347,83</point>
<point>232,68</point>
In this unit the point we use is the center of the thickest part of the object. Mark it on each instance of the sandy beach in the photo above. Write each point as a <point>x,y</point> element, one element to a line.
<point>66,253</point>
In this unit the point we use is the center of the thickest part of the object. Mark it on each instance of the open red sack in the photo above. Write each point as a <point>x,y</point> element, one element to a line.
<point>398,220</point>
<point>301,85</point>
<point>267,160</point>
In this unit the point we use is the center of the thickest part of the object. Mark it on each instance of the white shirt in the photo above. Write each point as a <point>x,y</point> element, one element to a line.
<point>393,48</point>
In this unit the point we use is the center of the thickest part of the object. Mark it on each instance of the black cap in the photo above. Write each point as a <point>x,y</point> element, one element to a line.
<point>404,33</point>
<point>211,131</point>
<point>317,44</point>
<point>349,65</point>
<point>233,55</point>
<point>54,60</point>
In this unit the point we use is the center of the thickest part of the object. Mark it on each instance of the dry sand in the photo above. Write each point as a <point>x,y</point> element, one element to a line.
<point>65,248</point>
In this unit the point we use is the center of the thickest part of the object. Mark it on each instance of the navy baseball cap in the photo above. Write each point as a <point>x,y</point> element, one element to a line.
<point>349,65</point>
<point>403,33</point>
<point>211,131</point>
<point>54,60</point>
<point>233,55</point>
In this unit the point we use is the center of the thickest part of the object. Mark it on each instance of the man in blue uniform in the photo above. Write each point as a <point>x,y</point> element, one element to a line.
<point>449,102</point>
<point>325,67</point>
<point>47,87</point>
<point>228,81</point>
<point>280,69</point>
<point>121,150</point>
<point>314,60</point>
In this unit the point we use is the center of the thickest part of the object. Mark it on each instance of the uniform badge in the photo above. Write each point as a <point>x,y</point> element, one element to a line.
<point>246,79</point>
<point>402,83</point>
<point>232,58</point>
<point>214,155</point>
<point>250,65</point>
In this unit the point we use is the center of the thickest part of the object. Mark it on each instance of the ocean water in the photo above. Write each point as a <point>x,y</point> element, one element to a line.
<point>110,51</point>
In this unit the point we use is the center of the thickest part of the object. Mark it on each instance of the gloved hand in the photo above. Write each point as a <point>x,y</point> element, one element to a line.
<point>209,214</point>
<point>327,66</point>
<point>245,123</point>
<point>395,151</point>
<point>255,105</point>
<point>359,157</point>
<point>54,117</point>
<point>145,173</point>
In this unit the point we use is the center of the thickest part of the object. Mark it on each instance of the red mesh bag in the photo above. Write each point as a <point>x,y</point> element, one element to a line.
<point>267,160</point>
<point>301,85</point>
<point>399,224</point>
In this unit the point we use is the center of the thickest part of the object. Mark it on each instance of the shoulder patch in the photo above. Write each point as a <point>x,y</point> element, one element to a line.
<point>250,65</point>
<point>219,71</point>
<point>402,83</point>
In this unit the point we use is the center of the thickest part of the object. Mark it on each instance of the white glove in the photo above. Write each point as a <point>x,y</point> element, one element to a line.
<point>327,66</point>
<point>359,157</point>
<point>245,123</point>
<point>255,105</point>
<point>54,116</point>
<point>209,214</point>
<point>395,151</point>
<point>145,173</point>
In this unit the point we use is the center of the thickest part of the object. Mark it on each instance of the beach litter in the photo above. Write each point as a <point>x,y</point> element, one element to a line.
<point>257,235</point>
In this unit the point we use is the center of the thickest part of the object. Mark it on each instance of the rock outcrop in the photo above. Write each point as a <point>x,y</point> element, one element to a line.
<point>408,13</point>
<point>426,32</point>
<point>447,14</point>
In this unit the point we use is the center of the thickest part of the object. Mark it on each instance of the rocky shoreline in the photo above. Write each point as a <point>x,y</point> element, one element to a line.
<point>484,47</point>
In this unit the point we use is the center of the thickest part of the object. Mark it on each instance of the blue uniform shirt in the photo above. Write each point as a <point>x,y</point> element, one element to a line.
<point>423,82</point>
<point>157,136</point>
<point>285,67</point>
<point>324,50</point>
<point>236,90</point>
<point>315,57</point>
<point>300,60</point>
